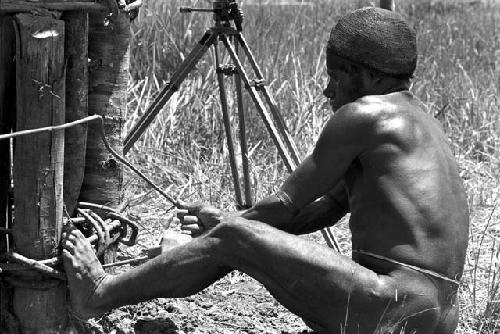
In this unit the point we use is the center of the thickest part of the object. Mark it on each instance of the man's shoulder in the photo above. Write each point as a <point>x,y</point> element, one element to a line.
<point>367,110</point>
<point>355,122</point>
<point>373,106</point>
<point>376,109</point>
<point>387,116</point>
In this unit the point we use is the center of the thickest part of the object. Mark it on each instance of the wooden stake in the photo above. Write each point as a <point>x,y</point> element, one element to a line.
<point>38,165</point>
<point>7,109</point>
<point>76,45</point>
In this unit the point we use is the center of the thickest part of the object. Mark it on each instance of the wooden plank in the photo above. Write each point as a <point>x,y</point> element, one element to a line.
<point>7,109</point>
<point>38,164</point>
<point>16,6</point>
<point>76,43</point>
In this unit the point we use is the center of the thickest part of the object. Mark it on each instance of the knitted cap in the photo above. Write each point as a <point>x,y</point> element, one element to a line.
<point>376,38</point>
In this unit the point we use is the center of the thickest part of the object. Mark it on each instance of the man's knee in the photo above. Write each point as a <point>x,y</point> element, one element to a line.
<point>235,229</point>
<point>235,235</point>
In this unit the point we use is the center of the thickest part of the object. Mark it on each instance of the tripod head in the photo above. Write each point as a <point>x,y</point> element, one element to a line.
<point>224,11</point>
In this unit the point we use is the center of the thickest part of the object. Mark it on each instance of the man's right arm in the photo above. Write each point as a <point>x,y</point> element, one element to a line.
<point>326,211</point>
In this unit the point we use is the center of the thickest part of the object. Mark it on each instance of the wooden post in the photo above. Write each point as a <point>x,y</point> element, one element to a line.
<point>108,79</point>
<point>76,45</point>
<point>38,168</point>
<point>7,109</point>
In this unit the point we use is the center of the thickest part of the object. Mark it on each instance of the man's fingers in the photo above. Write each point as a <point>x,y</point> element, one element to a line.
<point>190,228</point>
<point>189,220</point>
<point>181,213</point>
<point>192,208</point>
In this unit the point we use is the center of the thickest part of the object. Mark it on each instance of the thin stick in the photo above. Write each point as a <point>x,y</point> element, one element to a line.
<point>103,136</point>
<point>129,165</point>
<point>35,265</point>
<point>124,262</point>
<point>49,128</point>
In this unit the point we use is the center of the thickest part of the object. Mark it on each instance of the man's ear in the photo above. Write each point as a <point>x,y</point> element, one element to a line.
<point>375,77</point>
<point>371,79</point>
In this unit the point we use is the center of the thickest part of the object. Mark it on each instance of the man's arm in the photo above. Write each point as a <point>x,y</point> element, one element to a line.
<point>348,133</point>
<point>324,212</point>
<point>345,136</point>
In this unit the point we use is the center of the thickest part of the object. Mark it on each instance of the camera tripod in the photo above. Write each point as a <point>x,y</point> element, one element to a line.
<point>225,13</point>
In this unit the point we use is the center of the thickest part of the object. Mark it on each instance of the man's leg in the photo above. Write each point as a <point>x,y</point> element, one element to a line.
<point>314,282</point>
<point>182,271</point>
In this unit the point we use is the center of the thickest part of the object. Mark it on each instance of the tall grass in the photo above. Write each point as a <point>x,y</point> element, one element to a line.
<point>458,77</point>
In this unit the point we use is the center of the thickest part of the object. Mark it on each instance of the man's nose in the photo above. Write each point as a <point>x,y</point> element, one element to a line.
<point>329,91</point>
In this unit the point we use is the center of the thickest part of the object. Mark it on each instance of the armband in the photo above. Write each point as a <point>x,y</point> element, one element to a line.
<point>287,202</point>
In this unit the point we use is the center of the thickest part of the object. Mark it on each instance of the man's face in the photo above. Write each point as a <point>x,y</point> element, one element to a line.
<point>343,87</point>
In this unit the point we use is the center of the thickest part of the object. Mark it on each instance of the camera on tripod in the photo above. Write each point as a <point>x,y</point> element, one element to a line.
<point>224,11</point>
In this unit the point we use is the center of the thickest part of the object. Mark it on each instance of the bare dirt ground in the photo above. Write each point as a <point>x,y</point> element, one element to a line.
<point>236,304</point>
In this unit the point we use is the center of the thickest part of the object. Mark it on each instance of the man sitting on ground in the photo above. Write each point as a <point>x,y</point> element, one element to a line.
<point>382,158</point>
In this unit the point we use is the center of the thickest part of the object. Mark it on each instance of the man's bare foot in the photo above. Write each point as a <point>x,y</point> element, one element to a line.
<point>85,274</point>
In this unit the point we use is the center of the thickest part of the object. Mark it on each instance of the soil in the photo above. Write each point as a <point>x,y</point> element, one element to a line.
<point>235,304</point>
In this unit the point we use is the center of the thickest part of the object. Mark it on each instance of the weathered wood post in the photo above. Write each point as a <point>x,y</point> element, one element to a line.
<point>38,303</point>
<point>108,79</point>
<point>7,108</point>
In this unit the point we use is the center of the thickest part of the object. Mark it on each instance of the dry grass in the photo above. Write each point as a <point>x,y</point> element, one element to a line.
<point>458,77</point>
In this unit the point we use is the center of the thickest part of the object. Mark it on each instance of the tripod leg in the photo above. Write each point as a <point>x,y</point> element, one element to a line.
<point>286,155</point>
<point>243,138</point>
<point>290,146</point>
<point>177,78</point>
<point>280,123</point>
<point>227,127</point>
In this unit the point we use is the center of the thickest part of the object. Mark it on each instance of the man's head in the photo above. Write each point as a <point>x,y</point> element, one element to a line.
<point>370,51</point>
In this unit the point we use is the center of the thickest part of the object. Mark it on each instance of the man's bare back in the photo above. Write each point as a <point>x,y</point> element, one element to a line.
<point>407,203</point>
<point>406,197</point>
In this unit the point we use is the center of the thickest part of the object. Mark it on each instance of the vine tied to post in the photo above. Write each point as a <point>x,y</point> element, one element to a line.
<point>100,119</point>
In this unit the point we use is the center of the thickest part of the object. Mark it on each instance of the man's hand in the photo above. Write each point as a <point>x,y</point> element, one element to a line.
<point>198,218</point>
